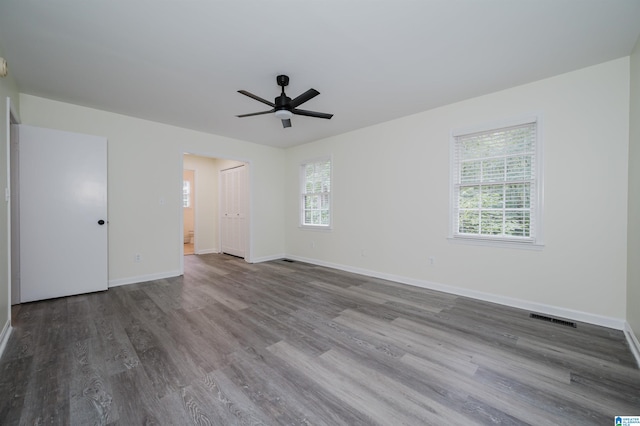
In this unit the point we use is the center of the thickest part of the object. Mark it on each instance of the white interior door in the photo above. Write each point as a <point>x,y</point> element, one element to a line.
<point>233,217</point>
<point>63,213</point>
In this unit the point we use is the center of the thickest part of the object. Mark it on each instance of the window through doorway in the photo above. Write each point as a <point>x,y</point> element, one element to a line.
<point>188,187</point>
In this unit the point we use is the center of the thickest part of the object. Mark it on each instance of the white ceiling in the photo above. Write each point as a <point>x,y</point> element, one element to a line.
<point>181,62</point>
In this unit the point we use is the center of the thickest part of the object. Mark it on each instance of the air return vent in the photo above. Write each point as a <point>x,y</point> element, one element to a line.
<point>553,320</point>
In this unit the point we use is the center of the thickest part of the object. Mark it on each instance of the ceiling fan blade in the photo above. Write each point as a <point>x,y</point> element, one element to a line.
<point>286,123</point>
<point>255,113</point>
<point>257,98</point>
<point>311,113</point>
<point>309,94</point>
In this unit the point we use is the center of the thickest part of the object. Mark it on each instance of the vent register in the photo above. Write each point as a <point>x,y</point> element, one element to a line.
<point>553,320</point>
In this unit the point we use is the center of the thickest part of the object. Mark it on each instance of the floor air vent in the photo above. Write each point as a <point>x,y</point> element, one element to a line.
<point>553,320</point>
<point>288,260</point>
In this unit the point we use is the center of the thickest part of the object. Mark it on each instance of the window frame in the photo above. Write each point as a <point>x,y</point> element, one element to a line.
<point>186,194</point>
<point>536,240</point>
<point>302,193</point>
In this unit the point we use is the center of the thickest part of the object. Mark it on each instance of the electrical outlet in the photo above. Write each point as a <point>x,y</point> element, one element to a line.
<point>432,260</point>
<point>313,244</point>
<point>137,258</point>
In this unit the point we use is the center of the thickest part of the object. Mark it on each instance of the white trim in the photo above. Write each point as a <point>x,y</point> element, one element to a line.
<point>268,258</point>
<point>496,124</point>
<point>219,209</point>
<point>321,228</point>
<point>207,251</point>
<point>4,336</point>
<point>610,322</point>
<point>487,242</point>
<point>539,180</point>
<point>144,278</point>
<point>181,219</point>
<point>13,185</point>
<point>8,209</point>
<point>633,342</point>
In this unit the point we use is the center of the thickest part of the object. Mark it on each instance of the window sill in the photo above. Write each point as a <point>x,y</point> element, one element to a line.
<point>321,228</point>
<point>487,242</point>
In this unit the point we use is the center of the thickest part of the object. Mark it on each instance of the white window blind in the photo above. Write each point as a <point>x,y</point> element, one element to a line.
<point>494,176</point>
<point>316,191</point>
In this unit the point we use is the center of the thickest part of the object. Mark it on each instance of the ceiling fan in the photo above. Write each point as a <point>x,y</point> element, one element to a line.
<point>283,106</point>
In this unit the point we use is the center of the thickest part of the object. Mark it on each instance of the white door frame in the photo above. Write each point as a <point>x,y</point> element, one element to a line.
<point>249,233</point>
<point>12,118</point>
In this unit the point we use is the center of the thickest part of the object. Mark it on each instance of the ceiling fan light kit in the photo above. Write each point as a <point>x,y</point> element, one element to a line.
<point>283,106</point>
<point>283,114</point>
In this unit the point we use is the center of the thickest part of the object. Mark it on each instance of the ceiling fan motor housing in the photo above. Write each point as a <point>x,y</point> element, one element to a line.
<point>282,102</point>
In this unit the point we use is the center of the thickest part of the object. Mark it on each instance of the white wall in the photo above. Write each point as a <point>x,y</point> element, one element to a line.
<point>391,198</point>
<point>633,232</point>
<point>145,169</point>
<point>8,88</point>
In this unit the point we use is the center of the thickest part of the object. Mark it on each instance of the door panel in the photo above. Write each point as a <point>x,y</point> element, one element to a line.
<point>233,222</point>
<point>63,196</point>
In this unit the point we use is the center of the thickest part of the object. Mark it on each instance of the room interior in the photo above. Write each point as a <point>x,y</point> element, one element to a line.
<point>205,221</point>
<point>389,139</point>
<point>188,213</point>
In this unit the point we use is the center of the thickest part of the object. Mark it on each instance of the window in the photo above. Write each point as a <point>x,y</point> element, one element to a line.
<point>496,185</point>
<point>186,193</point>
<point>316,194</point>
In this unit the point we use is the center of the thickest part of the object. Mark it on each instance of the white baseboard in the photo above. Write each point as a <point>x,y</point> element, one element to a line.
<point>267,258</point>
<point>143,278</point>
<point>610,322</point>
<point>4,336</point>
<point>634,344</point>
<point>208,251</point>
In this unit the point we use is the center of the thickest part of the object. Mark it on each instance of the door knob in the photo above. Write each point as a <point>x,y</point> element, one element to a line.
<point>101,222</point>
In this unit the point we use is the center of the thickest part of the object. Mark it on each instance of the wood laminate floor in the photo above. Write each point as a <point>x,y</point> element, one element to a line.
<point>296,344</point>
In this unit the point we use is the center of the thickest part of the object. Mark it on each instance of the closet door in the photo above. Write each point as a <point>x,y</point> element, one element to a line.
<point>233,214</point>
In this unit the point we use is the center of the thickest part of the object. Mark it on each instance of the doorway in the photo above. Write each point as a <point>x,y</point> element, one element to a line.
<point>188,211</point>
<point>206,202</point>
